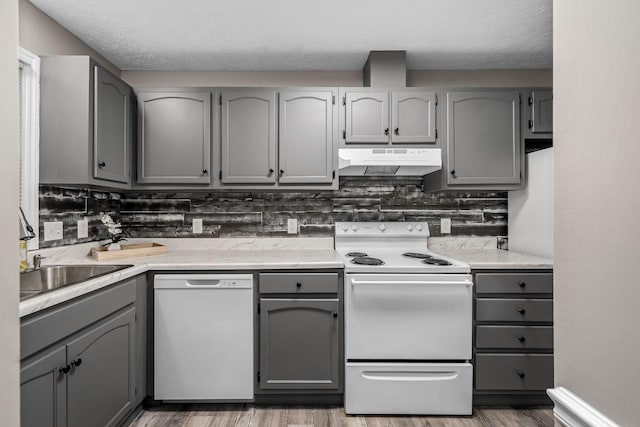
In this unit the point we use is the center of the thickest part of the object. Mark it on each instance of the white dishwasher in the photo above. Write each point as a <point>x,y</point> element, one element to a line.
<point>203,337</point>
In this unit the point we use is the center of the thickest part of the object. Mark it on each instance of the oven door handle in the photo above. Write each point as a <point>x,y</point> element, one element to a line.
<point>407,282</point>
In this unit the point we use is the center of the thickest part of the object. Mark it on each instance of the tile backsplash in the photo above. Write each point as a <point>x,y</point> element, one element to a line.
<point>259,213</point>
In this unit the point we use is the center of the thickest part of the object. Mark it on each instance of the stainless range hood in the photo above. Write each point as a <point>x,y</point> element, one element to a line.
<point>387,69</point>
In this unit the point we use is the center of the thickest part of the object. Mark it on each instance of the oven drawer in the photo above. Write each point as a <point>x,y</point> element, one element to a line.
<point>298,283</point>
<point>514,310</point>
<point>408,388</point>
<point>514,283</point>
<point>514,337</point>
<point>514,371</point>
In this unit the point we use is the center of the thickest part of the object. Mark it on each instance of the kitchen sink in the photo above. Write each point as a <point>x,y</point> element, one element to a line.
<point>52,277</point>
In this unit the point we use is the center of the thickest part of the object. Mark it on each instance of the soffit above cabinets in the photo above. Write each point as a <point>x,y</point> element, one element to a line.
<point>257,35</point>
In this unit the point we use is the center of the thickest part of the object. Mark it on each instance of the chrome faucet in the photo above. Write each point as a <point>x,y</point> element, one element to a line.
<point>37,261</point>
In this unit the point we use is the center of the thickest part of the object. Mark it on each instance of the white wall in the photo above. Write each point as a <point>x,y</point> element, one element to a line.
<point>596,73</point>
<point>9,339</point>
<point>531,209</point>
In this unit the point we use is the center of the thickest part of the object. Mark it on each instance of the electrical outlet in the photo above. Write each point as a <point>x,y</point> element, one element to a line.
<point>53,230</point>
<point>83,229</point>
<point>445,225</point>
<point>292,226</point>
<point>197,225</point>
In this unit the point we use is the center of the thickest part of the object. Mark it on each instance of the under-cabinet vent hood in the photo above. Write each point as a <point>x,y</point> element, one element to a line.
<point>389,161</point>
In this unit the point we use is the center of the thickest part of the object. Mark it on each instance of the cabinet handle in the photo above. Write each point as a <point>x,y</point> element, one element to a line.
<point>453,172</point>
<point>65,369</point>
<point>386,131</point>
<point>396,131</point>
<point>334,314</point>
<point>77,362</point>
<point>204,171</point>
<point>281,171</point>
<point>270,172</point>
<point>522,311</point>
<point>298,285</point>
<point>101,165</point>
<point>522,284</point>
<point>522,339</point>
<point>520,373</point>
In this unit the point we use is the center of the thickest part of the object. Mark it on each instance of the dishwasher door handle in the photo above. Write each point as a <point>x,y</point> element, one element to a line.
<point>203,283</point>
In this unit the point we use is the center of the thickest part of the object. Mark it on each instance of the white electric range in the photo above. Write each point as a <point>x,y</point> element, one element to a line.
<point>408,322</point>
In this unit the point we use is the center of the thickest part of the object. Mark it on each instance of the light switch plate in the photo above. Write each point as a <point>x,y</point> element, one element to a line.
<point>197,225</point>
<point>53,230</point>
<point>83,229</point>
<point>445,225</point>
<point>292,226</point>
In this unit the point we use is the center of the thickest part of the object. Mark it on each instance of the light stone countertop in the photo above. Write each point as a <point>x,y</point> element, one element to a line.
<point>189,254</point>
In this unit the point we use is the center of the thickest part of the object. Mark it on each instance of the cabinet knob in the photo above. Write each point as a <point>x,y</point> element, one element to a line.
<point>396,131</point>
<point>298,285</point>
<point>204,171</point>
<point>281,171</point>
<point>520,373</point>
<point>530,124</point>
<point>521,339</point>
<point>386,131</point>
<point>334,314</point>
<point>522,311</point>
<point>65,369</point>
<point>101,165</point>
<point>453,172</point>
<point>270,171</point>
<point>522,284</point>
<point>77,362</point>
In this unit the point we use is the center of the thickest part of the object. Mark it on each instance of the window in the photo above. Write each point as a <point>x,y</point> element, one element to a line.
<point>29,73</point>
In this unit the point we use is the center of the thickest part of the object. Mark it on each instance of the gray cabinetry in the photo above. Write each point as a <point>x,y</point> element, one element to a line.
<point>385,116</point>
<point>513,336</point>
<point>306,137</point>
<point>85,124</point>
<point>79,359</point>
<point>248,136</point>
<point>174,137</point>
<point>540,114</point>
<point>300,337</point>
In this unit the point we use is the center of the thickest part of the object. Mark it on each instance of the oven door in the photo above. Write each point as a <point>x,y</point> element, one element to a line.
<point>408,317</point>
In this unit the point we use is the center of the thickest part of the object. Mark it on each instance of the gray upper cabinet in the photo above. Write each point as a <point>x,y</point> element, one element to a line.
<point>413,117</point>
<point>85,124</point>
<point>540,112</point>
<point>112,127</point>
<point>306,137</point>
<point>248,136</point>
<point>367,117</point>
<point>483,144</point>
<point>174,137</point>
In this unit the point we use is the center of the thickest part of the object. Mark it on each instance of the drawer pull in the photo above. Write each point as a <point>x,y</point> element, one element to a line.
<point>298,285</point>
<point>520,373</point>
<point>521,339</point>
<point>522,285</point>
<point>522,311</point>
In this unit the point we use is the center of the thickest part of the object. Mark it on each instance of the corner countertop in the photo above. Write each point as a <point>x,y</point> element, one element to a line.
<point>189,254</point>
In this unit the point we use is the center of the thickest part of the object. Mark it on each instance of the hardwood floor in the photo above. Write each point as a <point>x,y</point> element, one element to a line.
<point>296,416</point>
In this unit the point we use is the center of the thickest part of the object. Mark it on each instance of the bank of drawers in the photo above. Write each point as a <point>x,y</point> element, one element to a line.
<point>513,331</point>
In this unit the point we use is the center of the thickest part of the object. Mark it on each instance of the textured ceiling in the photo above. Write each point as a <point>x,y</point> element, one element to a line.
<point>265,35</point>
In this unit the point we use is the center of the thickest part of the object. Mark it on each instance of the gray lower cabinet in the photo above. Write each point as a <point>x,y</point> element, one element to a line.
<point>513,336</point>
<point>80,359</point>
<point>86,124</point>
<point>174,137</point>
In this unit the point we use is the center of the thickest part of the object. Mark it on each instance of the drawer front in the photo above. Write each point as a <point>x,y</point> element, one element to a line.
<point>514,283</point>
<point>298,283</point>
<point>514,337</point>
<point>514,310</point>
<point>514,371</point>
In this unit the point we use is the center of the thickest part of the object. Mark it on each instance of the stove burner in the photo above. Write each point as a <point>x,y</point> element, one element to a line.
<point>356,254</point>
<point>365,260</point>
<point>416,255</point>
<point>435,261</point>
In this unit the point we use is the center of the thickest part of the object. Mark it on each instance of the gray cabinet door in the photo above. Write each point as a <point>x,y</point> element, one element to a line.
<point>100,385</point>
<point>299,343</point>
<point>306,137</point>
<point>111,127</point>
<point>42,391</point>
<point>413,117</point>
<point>367,117</point>
<point>541,102</point>
<point>249,136</point>
<point>483,137</point>
<point>174,137</point>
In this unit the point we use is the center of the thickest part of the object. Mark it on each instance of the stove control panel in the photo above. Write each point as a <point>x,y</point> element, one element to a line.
<point>376,229</point>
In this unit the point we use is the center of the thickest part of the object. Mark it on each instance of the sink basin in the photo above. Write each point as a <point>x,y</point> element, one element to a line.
<point>52,277</point>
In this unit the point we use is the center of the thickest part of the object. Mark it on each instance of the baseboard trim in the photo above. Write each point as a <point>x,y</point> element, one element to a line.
<point>571,411</point>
